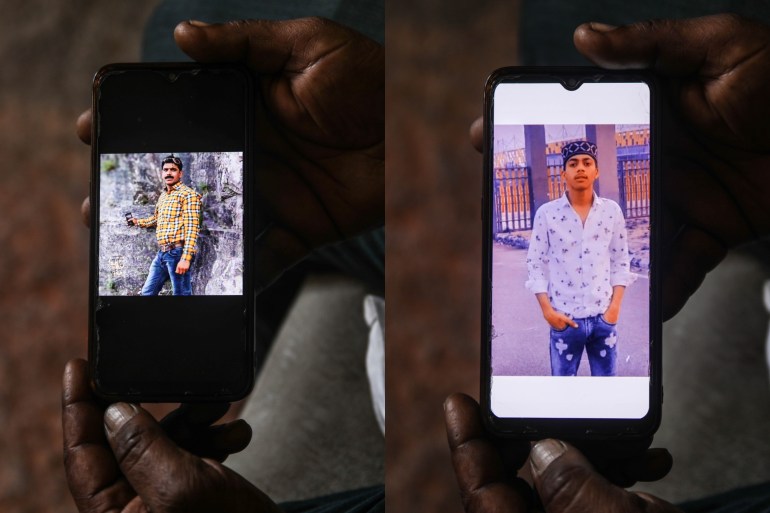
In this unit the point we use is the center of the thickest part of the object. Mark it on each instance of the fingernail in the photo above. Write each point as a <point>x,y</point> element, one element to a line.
<point>543,453</point>
<point>601,27</point>
<point>117,415</point>
<point>196,23</point>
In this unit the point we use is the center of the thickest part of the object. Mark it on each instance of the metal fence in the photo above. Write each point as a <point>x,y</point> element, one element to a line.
<point>634,185</point>
<point>513,199</point>
<point>556,185</point>
<point>514,203</point>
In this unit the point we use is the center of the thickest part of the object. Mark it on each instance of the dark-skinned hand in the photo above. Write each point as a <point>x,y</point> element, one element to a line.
<point>715,144</point>
<point>119,459</point>
<point>320,129</point>
<point>565,481</point>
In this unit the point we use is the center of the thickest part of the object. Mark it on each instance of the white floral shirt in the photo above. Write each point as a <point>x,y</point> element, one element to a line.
<point>578,265</point>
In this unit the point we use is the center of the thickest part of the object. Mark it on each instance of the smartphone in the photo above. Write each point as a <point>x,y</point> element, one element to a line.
<point>171,292</point>
<point>571,322</point>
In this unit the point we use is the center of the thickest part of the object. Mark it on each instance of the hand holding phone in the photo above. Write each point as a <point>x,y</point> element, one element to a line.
<point>321,176</point>
<point>126,460</point>
<point>715,116</point>
<point>565,477</point>
<point>321,128</point>
<point>571,230</point>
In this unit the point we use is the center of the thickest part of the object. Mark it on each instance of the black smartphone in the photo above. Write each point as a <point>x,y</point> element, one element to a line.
<point>571,323</point>
<point>171,288</point>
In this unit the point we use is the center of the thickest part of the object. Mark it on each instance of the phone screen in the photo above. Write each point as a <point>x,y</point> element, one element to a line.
<point>569,251</point>
<point>170,309</point>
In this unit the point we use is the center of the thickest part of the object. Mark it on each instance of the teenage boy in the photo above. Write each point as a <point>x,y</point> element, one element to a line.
<point>579,267</point>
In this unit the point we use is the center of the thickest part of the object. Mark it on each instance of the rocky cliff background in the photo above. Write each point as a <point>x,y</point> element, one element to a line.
<point>132,183</point>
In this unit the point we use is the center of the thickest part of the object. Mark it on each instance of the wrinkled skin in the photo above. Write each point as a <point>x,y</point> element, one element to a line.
<point>565,480</point>
<point>130,463</point>
<point>320,129</point>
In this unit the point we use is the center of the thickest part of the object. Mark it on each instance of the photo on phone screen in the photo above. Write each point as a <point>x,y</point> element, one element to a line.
<point>570,261</point>
<point>188,203</point>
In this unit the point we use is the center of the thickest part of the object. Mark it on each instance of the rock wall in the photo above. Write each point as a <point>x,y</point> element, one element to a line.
<point>132,183</point>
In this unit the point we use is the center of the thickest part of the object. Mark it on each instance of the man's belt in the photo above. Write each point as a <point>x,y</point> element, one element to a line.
<point>168,247</point>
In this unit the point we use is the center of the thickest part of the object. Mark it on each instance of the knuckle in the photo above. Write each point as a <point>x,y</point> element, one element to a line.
<point>730,20</point>
<point>131,444</point>
<point>560,490</point>
<point>238,25</point>
<point>319,27</point>
<point>655,26</point>
<point>317,23</point>
<point>648,25</point>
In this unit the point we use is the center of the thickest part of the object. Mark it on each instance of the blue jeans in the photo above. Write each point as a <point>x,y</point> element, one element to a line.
<point>163,268</point>
<point>597,336</point>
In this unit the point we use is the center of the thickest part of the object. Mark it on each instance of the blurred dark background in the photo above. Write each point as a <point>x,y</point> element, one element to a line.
<point>438,57</point>
<point>49,52</point>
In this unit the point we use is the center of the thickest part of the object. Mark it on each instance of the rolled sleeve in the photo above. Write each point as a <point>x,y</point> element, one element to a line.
<point>191,208</point>
<point>147,222</point>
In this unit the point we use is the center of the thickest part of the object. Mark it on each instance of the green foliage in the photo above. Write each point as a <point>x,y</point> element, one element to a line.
<point>108,165</point>
<point>112,285</point>
<point>204,187</point>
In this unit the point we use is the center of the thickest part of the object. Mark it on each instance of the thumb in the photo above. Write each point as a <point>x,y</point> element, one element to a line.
<point>719,63</point>
<point>566,482</point>
<point>146,456</point>
<point>672,47</point>
<point>167,478</point>
<point>265,46</point>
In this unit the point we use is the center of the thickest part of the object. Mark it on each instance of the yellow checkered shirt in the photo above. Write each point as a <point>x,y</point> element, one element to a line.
<point>176,218</point>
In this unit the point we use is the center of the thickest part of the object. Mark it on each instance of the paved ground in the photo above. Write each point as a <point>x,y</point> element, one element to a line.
<point>520,346</point>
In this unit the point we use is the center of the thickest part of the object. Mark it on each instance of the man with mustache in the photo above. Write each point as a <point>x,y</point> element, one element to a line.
<point>177,221</point>
<point>579,267</point>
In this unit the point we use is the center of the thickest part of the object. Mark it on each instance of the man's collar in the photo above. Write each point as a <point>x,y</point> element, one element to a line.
<point>565,201</point>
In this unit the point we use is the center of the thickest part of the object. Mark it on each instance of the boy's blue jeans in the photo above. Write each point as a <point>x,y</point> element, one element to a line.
<point>597,336</point>
<point>162,269</point>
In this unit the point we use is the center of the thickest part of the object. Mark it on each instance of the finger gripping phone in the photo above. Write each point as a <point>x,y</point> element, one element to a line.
<point>171,292</point>
<point>571,330</point>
